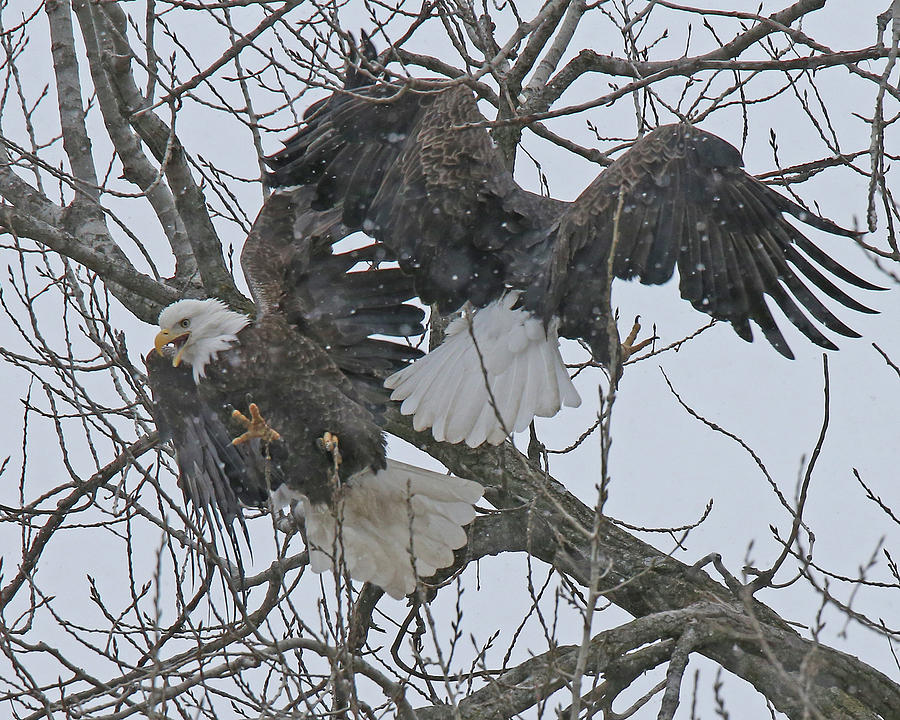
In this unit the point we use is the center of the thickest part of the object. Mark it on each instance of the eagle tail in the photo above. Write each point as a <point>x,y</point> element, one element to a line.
<point>392,526</point>
<point>489,378</point>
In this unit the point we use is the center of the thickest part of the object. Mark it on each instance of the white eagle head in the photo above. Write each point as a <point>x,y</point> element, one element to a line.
<point>199,330</point>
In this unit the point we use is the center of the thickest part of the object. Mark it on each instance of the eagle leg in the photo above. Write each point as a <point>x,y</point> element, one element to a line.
<point>256,426</point>
<point>630,347</point>
<point>330,443</point>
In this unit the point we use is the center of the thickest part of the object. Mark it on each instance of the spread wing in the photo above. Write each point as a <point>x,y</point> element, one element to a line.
<point>405,168</point>
<point>680,198</point>
<point>338,300</point>
<point>411,170</point>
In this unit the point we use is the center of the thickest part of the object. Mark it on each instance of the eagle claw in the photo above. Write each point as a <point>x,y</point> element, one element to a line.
<point>629,347</point>
<point>256,426</point>
<point>329,442</point>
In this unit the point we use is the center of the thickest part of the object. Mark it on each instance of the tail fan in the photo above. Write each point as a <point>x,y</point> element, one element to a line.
<point>482,389</point>
<point>392,526</point>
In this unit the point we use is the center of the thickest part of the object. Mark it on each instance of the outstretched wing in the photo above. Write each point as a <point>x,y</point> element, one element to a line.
<point>408,169</point>
<point>411,170</point>
<point>679,197</point>
<point>338,300</point>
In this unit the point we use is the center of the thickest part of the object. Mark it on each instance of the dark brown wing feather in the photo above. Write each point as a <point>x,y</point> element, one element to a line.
<point>679,197</point>
<point>437,194</point>
<point>215,476</point>
<point>292,271</point>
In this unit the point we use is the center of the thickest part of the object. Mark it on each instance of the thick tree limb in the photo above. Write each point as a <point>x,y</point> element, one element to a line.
<point>162,141</point>
<point>642,580</point>
<point>136,166</point>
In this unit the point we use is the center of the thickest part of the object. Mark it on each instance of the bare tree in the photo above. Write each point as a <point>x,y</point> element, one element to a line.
<point>132,144</point>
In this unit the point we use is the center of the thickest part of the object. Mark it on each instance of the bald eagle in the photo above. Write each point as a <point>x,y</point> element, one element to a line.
<point>419,173</point>
<point>303,383</point>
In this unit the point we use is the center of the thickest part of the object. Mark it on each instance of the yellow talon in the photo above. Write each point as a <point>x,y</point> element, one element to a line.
<point>256,426</point>
<point>330,442</point>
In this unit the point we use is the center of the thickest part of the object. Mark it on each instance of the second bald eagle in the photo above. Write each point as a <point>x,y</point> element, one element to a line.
<point>420,173</point>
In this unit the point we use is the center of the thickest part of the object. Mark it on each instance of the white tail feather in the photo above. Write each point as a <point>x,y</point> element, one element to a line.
<point>386,515</point>
<point>512,354</point>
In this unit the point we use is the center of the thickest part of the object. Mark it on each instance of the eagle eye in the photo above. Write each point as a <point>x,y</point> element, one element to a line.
<point>186,323</point>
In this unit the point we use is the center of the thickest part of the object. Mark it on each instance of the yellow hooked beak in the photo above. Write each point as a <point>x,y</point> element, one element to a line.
<point>167,337</point>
